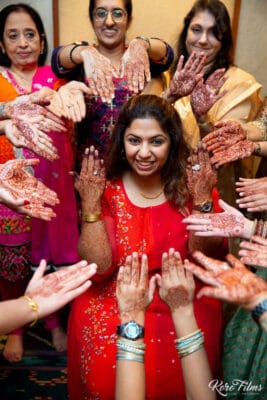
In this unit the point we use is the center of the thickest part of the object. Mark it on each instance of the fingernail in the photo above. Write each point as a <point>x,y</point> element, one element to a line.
<point>26,202</point>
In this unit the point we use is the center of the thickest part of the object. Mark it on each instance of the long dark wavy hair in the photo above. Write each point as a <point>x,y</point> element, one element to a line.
<point>222,31</point>
<point>127,4</point>
<point>173,173</point>
<point>21,7</point>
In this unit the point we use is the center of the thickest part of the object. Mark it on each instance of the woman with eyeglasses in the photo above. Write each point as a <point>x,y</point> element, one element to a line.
<point>113,70</point>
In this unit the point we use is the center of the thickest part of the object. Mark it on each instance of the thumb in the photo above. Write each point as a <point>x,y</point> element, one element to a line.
<point>39,273</point>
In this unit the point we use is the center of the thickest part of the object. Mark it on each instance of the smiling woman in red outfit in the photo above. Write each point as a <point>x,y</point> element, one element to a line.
<point>138,209</point>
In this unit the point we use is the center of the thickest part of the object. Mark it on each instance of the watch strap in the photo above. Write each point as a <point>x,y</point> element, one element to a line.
<point>205,207</point>
<point>259,310</point>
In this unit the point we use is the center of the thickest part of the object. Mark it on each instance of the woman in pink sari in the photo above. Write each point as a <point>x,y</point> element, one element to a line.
<point>23,49</point>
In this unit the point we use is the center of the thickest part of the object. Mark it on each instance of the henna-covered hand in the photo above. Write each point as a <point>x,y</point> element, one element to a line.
<point>31,109</point>
<point>73,101</point>
<point>253,194</point>
<point>98,73</point>
<point>205,94</point>
<point>228,143</point>
<point>186,77</point>
<point>91,182</point>
<point>201,176</point>
<point>230,223</point>
<point>24,134</point>
<point>51,292</point>
<point>135,65</point>
<point>133,292</point>
<point>254,252</point>
<point>225,135</point>
<point>22,192</point>
<point>176,286</point>
<point>238,151</point>
<point>230,281</point>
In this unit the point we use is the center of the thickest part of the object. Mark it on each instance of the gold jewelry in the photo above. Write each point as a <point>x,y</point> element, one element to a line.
<point>152,197</point>
<point>33,306</point>
<point>91,217</point>
<point>261,126</point>
<point>19,78</point>
<point>257,149</point>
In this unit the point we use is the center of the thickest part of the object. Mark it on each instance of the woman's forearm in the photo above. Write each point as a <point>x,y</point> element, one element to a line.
<point>94,245</point>
<point>195,364</point>
<point>14,314</point>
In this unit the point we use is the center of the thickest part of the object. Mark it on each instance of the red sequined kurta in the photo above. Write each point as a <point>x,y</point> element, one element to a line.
<point>94,315</point>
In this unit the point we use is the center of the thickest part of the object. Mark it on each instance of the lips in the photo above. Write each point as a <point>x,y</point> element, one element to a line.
<point>142,165</point>
<point>24,55</point>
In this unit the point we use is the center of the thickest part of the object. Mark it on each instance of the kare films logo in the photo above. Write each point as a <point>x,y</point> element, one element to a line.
<point>235,386</point>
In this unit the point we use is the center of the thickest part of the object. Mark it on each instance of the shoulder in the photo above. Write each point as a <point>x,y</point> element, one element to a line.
<point>237,75</point>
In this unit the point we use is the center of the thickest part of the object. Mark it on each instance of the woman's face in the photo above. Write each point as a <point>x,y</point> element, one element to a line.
<point>110,32</point>
<point>200,36</point>
<point>21,40</point>
<point>146,146</point>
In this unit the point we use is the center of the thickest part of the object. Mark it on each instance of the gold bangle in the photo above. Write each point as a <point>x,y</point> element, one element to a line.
<point>91,217</point>
<point>33,306</point>
<point>203,124</point>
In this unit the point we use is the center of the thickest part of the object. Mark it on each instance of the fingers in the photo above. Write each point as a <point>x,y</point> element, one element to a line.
<point>211,264</point>
<point>253,203</point>
<point>144,271</point>
<point>200,273</point>
<point>214,292</point>
<point>38,211</point>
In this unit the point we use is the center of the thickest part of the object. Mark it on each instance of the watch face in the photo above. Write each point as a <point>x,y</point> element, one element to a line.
<point>132,330</point>
<point>207,207</point>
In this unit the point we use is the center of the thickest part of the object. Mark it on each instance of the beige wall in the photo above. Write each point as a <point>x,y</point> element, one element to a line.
<point>157,18</point>
<point>165,18</point>
<point>251,49</point>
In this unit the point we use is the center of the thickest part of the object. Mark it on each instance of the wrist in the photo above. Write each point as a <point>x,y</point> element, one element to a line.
<point>137,316</point>
<point>252,303</point>
<point>146,41</point>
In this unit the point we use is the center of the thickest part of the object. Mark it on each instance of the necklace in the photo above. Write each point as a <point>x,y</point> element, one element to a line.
<point>20,78</point>
<point>151,197</point>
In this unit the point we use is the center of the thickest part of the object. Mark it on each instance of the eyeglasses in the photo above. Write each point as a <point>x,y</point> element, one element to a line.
<point>29,36</point>
<point>117,14</point>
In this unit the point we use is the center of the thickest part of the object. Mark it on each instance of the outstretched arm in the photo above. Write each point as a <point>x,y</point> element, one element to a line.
<point>176,288</point>
<point>45,294</point>
<point>229,280</point>
<point>133,293</point>
<point>22,192</point>
<point>230,223</point>
<point>201,179</point>
<point>94,244</point>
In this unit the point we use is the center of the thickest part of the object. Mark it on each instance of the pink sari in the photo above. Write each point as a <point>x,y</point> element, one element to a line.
<point>56,241</point>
